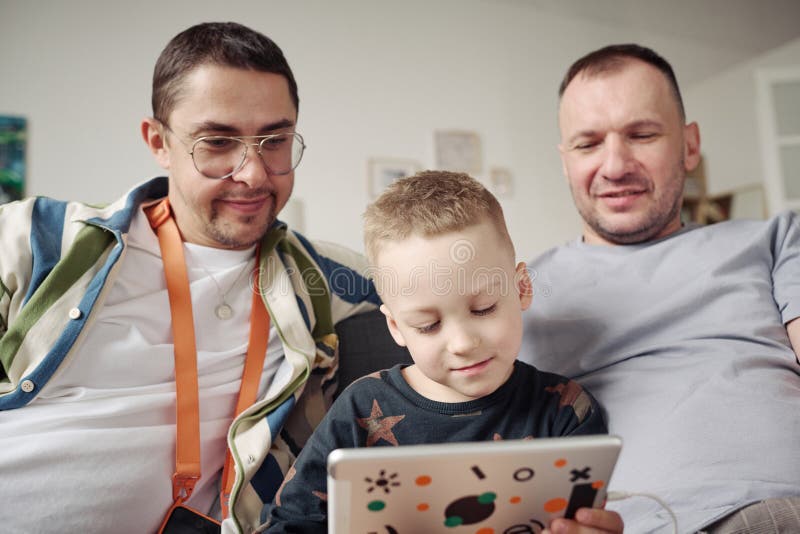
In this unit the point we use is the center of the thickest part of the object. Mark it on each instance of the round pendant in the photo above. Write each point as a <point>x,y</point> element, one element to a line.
<point>223,311</point>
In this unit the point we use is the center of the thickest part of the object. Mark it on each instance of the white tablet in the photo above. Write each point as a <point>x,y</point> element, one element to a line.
<point>498,487</point>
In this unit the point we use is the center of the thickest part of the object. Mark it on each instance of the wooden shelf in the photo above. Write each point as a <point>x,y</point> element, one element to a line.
<point>698,205</point>
<point>707,209</point>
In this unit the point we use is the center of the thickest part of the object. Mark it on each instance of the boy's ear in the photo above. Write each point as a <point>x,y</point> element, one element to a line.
<point>524,286</point>
<point>392,324</point>
<point>155,141</point>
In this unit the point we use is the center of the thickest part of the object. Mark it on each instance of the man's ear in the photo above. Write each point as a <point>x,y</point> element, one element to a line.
<point>392,324</point>
<point>152,133</point>
<point>691,146</point>
<point>524,286</point>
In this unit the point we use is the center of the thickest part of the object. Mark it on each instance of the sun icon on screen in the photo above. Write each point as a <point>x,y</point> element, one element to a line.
<point>383,481</point>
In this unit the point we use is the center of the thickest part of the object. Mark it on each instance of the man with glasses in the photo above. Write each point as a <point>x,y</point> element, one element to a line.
<point>175,349</point>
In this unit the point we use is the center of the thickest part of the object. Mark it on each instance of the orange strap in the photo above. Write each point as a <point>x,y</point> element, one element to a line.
<point>251,376</point>
<point>187,448</point>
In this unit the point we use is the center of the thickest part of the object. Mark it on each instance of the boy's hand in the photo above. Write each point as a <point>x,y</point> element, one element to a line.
<point>588,521</point>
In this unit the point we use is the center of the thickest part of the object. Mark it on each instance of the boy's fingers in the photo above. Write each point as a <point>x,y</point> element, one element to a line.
<point>604,520</point>
<point>588,521</point>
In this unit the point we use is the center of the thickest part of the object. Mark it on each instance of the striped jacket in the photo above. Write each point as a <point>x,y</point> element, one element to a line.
<point>63,259</point>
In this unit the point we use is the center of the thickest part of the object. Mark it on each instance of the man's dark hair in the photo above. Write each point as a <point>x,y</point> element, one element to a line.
<point>613,58</point>
<point>217,43</point>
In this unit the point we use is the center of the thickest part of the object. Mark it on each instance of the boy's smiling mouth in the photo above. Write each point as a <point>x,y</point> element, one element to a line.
<point>474,368</point>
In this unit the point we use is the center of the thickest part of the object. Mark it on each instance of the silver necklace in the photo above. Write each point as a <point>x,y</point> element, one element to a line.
<point>223,310</point>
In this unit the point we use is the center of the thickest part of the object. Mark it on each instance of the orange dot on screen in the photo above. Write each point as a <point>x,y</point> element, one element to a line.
<point>423,480</point>
<point>515,499</point>
<point>423,507</point>
<point>485,530</point>
<point>561,462</point>
<point>555,505</point>
<point>597,484</point>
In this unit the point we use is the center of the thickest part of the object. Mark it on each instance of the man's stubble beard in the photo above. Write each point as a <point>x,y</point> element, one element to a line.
<point>654,222</point>
<point>224,234</point>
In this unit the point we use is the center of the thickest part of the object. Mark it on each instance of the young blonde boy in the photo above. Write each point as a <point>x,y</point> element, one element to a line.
<point>444,266</point>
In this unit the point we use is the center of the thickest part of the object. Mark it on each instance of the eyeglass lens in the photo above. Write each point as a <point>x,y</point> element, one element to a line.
<point>220,157</point>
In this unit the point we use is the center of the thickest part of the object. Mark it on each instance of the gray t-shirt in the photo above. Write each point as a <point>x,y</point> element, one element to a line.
<point>683,343</point>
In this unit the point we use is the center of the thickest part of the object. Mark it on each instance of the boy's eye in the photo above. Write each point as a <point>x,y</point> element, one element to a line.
<point>485,311</point>
<point>428,328</point>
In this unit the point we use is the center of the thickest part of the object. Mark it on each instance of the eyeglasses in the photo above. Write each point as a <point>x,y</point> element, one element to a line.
<point>221,156</point>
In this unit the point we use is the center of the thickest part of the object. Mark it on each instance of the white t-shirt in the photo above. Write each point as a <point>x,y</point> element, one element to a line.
<point>95,451</point>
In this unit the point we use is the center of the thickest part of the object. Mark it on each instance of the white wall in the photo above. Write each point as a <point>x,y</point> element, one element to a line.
<point>725,107</point>
<point>376,79</point>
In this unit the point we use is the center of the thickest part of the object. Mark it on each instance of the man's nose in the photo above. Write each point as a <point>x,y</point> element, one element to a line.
<point>254,172</point>
<point>617,158</point>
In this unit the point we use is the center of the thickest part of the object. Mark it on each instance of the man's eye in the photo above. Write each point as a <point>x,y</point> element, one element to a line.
<point>485,311</point>
<point>428,329</point>
<point>274,143</point>
<point>218,143</point>
<point>643,136</point>
<point>586,145</point>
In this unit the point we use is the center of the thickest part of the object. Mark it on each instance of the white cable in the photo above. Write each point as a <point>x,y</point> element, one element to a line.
<point>619,495</point>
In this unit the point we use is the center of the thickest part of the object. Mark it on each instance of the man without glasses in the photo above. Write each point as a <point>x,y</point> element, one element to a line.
<point>687,335</point>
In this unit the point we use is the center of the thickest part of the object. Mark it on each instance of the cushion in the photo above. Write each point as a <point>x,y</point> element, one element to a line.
<point>365,346</point>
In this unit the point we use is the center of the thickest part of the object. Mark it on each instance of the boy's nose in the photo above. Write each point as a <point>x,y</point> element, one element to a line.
<point>463,341</point>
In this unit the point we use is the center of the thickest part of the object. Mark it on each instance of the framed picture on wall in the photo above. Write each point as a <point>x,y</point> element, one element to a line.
<point>13,139</point>
<point>458,151</point>
<point>383,171</point>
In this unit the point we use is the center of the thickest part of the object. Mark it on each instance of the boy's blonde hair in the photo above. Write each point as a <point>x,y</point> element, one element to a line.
<point>430,203</point>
